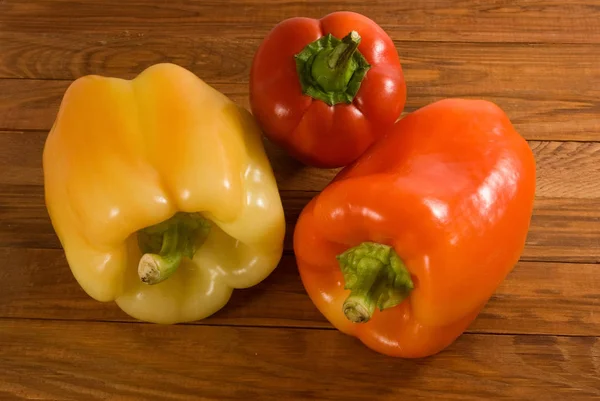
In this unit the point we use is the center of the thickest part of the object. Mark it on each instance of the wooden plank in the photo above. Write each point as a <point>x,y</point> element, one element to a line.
<point>561,229</point>
<point>427,66</point>
<point>564,224</point>
<point>66,56</point>
<point>475,71</point>
<point>523,21</point>
<point>83,360</point>
<point>21,157</point>
<point>567,169</point>
<point>536,298</point>
<point>564,230</point>
<point>550,113</point>
<point>69,56</point>
<point>563,169</point>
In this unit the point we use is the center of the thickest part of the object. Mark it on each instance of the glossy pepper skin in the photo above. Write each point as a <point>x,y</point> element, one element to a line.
<point>426,225</point>
<point>161,194</point>
<point>326,115</point>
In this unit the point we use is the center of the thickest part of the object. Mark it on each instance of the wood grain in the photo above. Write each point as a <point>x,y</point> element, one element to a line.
<point>564,224</point>
<point>216,58</point>
<point>567,169</point>
<point>538,338</point>
<point>522,21</point>
<point>50,359</point>
<point>561,229</point>
<point>525,303</point>
<point>521,80</point>
<point>564,230</point>
<point>69,56</point>
<point>563,169</point>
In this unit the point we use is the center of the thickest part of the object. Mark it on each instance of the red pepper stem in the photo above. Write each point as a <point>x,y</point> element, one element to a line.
<point>164,245</point>
<point>331,69</point>
<point>376,278</point>
<point>340,56</point>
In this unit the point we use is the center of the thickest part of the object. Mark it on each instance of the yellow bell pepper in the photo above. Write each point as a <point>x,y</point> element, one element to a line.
<point>161,194</point>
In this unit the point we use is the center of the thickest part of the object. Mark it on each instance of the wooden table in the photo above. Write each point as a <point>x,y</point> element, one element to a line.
<point>537,339</point>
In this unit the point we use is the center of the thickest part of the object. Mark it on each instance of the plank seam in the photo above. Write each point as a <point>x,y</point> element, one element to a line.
<point>260,37</point>
<point>4,130</point>
<point>271,327</point>
<point>290,252</point>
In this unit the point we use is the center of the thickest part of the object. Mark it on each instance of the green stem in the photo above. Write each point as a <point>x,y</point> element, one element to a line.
<point>164,245</point>
<point>332,70</point>
<point>376,278</point>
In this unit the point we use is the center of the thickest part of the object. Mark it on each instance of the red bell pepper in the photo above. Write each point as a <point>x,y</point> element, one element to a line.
<point>326,89</point>
<point>406,245</point>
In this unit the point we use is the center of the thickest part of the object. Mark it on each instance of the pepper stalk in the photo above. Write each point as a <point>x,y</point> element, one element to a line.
<point>376,278</point>
<point>331,69</point>
<point>165,244</point>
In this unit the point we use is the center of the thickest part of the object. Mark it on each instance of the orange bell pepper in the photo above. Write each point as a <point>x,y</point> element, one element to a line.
<point>407,244</point>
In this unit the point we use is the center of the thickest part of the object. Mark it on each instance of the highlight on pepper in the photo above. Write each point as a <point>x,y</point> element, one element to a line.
<point>161,194</point>
<point>325,90</point>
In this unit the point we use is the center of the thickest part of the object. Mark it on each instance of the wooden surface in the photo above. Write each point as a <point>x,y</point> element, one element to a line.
<point>537,339</point>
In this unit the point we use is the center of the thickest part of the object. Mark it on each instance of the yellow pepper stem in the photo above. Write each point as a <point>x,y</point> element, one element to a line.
<point>166,244</point>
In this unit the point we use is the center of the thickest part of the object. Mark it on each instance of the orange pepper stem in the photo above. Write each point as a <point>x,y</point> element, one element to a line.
<point>331,69</point>
<point>164,245</point>
<point>376,278</point>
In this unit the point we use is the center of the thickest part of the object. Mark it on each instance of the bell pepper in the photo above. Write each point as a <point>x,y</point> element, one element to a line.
<point>324,90</point>
<point>405,246</point>
<point>161,194</point>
